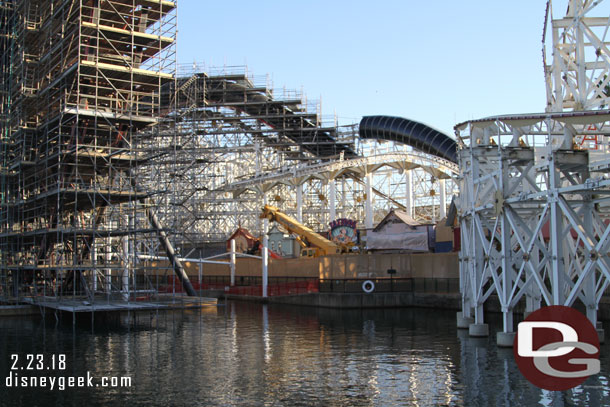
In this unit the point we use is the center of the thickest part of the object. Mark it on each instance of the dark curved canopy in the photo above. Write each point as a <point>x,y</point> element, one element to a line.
<point>410,132</point>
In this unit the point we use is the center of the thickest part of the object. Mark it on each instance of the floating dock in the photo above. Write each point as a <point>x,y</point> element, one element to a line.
<point>82,305</point>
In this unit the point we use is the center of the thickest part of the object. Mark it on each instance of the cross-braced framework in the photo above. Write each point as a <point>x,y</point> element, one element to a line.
<point>534,212</point>
<point>244,144</point>
<point>229,124</point>
<point>81,82</point>
<point>534,194</point>
<point>398,178</point>
<point>577,77</point>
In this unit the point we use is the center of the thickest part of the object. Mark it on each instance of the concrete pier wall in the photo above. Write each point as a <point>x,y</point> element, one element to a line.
<point>430,265</point>
<point>374,300</point>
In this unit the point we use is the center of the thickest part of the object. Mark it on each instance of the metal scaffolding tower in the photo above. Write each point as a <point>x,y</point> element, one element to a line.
<point>533,203</point>
<point>81,100</point>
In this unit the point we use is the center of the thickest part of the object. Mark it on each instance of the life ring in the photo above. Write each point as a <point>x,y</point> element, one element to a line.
<point>368,286</point>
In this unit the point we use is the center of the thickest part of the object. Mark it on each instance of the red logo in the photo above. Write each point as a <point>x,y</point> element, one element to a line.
<point>557,348</point>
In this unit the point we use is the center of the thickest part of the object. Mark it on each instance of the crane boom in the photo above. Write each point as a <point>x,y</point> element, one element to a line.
<point>324,245</point>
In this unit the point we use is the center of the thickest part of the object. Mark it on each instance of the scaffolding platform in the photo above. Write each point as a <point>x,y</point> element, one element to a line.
<point>79,305</point>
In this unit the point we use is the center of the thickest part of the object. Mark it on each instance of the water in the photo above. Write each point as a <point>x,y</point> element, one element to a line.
<point>258,355</point>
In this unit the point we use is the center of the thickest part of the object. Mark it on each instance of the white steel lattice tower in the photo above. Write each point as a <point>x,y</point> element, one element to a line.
<point>577,75</point>
<point>533,204</point>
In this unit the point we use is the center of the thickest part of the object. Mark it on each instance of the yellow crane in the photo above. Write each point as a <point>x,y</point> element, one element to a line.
<point>321,245</point>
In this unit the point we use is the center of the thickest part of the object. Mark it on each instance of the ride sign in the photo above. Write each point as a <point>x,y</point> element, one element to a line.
<point>557,348</point>
<point>343,231</point>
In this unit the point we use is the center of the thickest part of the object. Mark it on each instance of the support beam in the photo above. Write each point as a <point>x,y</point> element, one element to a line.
<point>300,203</point>
<point>556,237</point>
<point>171,253</point>
<point>265,220</point>
<point>507,275</point>
<point>332,200</point>
<point>443,199</point>
<point>166,243</point>
<point>265,263</point>
<point>409,191</point>
<point>368,220</point>
<point>343,194</point>
<point>232,261</point>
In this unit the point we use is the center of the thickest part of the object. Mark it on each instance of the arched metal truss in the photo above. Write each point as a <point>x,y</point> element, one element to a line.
<point>363,188</point>
<point>357,171</point>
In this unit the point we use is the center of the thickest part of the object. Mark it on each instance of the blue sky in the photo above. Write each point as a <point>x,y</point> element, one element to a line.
<point>440,62</point>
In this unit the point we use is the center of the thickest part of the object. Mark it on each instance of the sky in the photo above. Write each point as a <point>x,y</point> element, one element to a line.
<point>438,62</point>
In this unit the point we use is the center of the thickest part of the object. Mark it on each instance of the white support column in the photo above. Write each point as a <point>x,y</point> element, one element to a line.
<point>478,264</point>
<point>533,295</point>
<point>479,328</point>
<point>581,64</point>
<point>555,237</point>
<point>265,256</point>
<point>506,337</point>
<point>557,73</point>
<point>368,219</point>
<point>464,317</point>
<point>443,199</point>
<point>477,256</point>
<point>332,200</point>
<point>235,210</point>
<point>257,151</point>
<point>232,261</point>
<point>265,221</point>
<point>409,191</point>
<point>300,203</point>
<point>507,274</point>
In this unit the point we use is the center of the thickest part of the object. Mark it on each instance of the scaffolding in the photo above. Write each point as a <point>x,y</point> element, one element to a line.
<point>233,125</point>
<point>236,132</point>
<point>81,103</point>
<point>109,158</point>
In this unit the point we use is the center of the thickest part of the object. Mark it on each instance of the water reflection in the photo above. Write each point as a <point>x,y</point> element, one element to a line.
<point>250,354</point>
<point>491,377</point>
